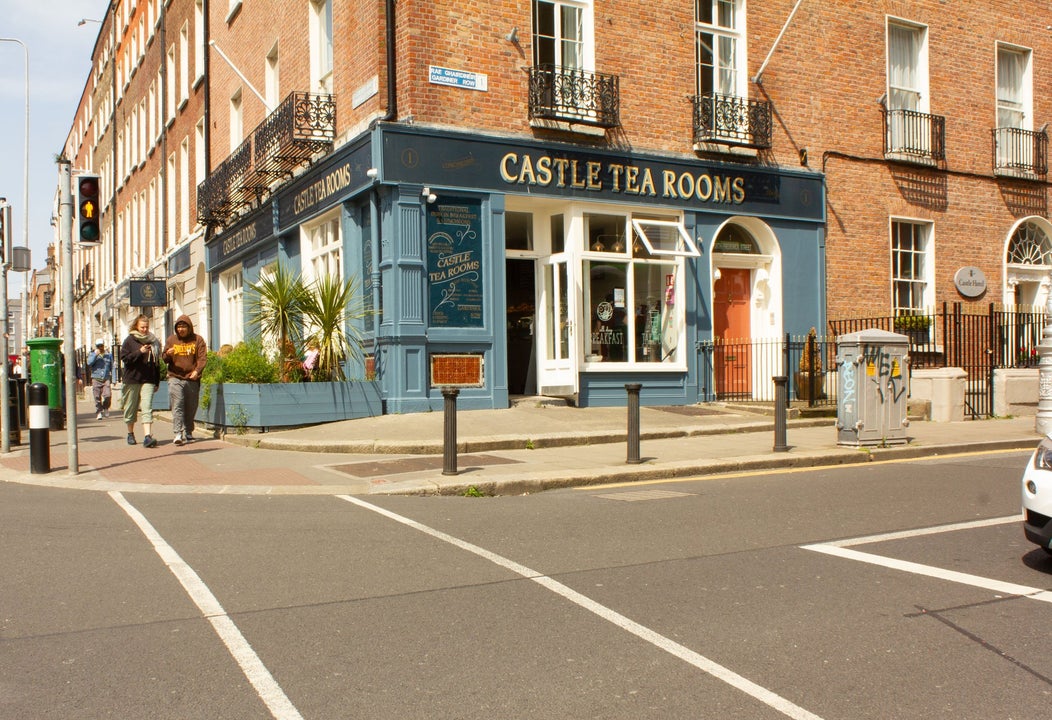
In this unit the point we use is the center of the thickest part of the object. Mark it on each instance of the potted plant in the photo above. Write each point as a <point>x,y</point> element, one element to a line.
<point>259,384</point>
<point>809,371</point>
<point>915,326</point>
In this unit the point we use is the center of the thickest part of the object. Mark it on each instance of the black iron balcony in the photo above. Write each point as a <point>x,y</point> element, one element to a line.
<point>1019,152</point>
<point>220,195</point>
<point>914,136</point>
<point>730,120</point>
<point>304,124</point>
<point>574,96</point>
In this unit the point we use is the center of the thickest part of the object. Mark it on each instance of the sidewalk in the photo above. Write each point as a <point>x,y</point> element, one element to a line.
<point>527,448</point>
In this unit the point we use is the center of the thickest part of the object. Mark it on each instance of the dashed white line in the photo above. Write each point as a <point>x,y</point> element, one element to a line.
<point>769,698</point>
<point>281,708</point>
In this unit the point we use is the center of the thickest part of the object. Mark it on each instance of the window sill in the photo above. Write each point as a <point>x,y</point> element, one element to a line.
<point>725,149</point>
<point>576,128</point>
<point>620,367</point>
<point>198,81</point>
<point>235,10</point>
<point>921,160</point>
<point>1017,174</point>
<point>182,104</point>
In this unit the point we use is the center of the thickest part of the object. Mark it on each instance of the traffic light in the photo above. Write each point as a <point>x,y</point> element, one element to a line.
<point>88,209</point>
<point>5,233</point>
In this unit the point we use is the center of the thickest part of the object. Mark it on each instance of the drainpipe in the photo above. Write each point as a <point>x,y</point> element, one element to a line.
<point>207,112</point>
<point>392,75</point>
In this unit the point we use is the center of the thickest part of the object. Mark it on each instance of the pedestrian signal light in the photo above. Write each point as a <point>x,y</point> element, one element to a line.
<point>88,209</point>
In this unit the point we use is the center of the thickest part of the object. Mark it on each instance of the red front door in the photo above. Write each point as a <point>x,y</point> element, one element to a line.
<point>731,333</point>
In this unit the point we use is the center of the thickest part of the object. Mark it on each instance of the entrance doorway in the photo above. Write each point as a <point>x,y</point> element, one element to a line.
<point>522,319</point>
<point>731,331</point>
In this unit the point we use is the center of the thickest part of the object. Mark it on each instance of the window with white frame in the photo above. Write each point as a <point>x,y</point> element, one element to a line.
<point>231,307</point>
<point>907,96</point>
<point>184,62</point>
<point>631,271</point>
<point>237,120</point>
<point>171,83</point>
<point>562,34</point>
<point>321,248</point>
<point>272,78</point>
<point>720,47</point>
<point>321,45</point>
<point>199,40</point>
<point>1013,142</point>
<point>184,189</point>
<point>912,271</point>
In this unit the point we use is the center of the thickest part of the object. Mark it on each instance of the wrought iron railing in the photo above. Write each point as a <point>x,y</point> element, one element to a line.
<point>1020,150</point>
<point>732,120</point>
<point>575,96</point>
<point>914,135</point>
<point>742,369</point>
<point>304,124</point>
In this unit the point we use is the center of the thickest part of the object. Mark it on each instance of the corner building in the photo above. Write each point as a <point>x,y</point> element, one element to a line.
<point>533,205</point>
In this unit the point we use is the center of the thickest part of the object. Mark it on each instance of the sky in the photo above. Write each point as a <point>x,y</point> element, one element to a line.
<point>59,64</point>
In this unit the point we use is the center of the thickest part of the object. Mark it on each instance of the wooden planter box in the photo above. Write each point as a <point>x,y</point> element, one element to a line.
<point>289,404</point>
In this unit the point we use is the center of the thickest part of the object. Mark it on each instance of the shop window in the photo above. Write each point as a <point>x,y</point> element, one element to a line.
<point>518,231</point>
<point>630,294</point>
<point>665,237</point>
<point>322,246</point>
<point>558,234</point>
<point>231,307</point>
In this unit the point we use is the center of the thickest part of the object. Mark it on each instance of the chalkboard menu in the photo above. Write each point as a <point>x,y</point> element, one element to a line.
<point>454,263</point>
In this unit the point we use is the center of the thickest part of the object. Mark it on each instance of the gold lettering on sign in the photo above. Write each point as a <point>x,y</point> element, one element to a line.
<point>319,191</point>
<point>595,176</point>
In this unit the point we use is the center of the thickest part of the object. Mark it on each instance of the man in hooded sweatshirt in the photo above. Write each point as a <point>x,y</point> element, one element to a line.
<point>185,354</point>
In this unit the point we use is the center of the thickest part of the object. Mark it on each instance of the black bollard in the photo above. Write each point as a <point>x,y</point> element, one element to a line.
<point>39,430</point>
<point>780,382</point>
<point>449,431</point>
<point>633,422</point>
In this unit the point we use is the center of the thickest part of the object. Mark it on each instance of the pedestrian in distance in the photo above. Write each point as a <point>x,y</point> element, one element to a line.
<point>185,353</point>
<point>100,367</point>
<point>140,353</point>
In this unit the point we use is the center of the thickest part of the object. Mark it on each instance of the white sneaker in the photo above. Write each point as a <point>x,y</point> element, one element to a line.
<point>178,439</point>
<point>98,415</point>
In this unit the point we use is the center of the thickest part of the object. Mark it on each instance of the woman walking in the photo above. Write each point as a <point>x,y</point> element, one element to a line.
<point>140,353</point>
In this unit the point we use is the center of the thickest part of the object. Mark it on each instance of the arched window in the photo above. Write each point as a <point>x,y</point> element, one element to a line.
<point>1030,245</point>
<point>735,239</point>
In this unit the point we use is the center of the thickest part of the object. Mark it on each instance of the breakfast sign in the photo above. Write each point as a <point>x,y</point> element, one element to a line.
<point>454,262</point>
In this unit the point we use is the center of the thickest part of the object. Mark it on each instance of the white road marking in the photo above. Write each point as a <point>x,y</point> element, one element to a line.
<point>701,662</point>
<point>840,548</point>
<point>935,530</point>
<point>281,708</point>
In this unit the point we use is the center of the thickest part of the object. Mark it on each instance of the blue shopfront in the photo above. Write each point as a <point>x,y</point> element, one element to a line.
<point>524,268</point>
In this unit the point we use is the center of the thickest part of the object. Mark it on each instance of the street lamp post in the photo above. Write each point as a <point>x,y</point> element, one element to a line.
<point>5,442</point>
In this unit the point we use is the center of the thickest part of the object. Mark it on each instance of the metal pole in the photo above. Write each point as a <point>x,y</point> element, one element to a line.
<point>780,412</point>
<point>449,431</point>
<point>633,422</point>
<point>65,232</point>
<point>25,193</point>
<point>5,420</point>
<point>1043,422</point>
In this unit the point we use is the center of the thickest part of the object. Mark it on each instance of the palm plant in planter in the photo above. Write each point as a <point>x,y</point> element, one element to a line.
<point>332,310</point>
<point>289,316</point>
<point>276,309</point>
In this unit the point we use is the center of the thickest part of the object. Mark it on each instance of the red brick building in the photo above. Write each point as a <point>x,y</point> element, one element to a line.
<point>564,196</point>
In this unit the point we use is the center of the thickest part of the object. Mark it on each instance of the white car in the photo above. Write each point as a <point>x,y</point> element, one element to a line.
<point>1037,496</point>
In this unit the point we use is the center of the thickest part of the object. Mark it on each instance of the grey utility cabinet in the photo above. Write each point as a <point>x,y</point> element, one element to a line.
<point>872,388</point>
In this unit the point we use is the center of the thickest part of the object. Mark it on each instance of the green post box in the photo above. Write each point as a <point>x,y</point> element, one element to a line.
<point>45,366</point>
